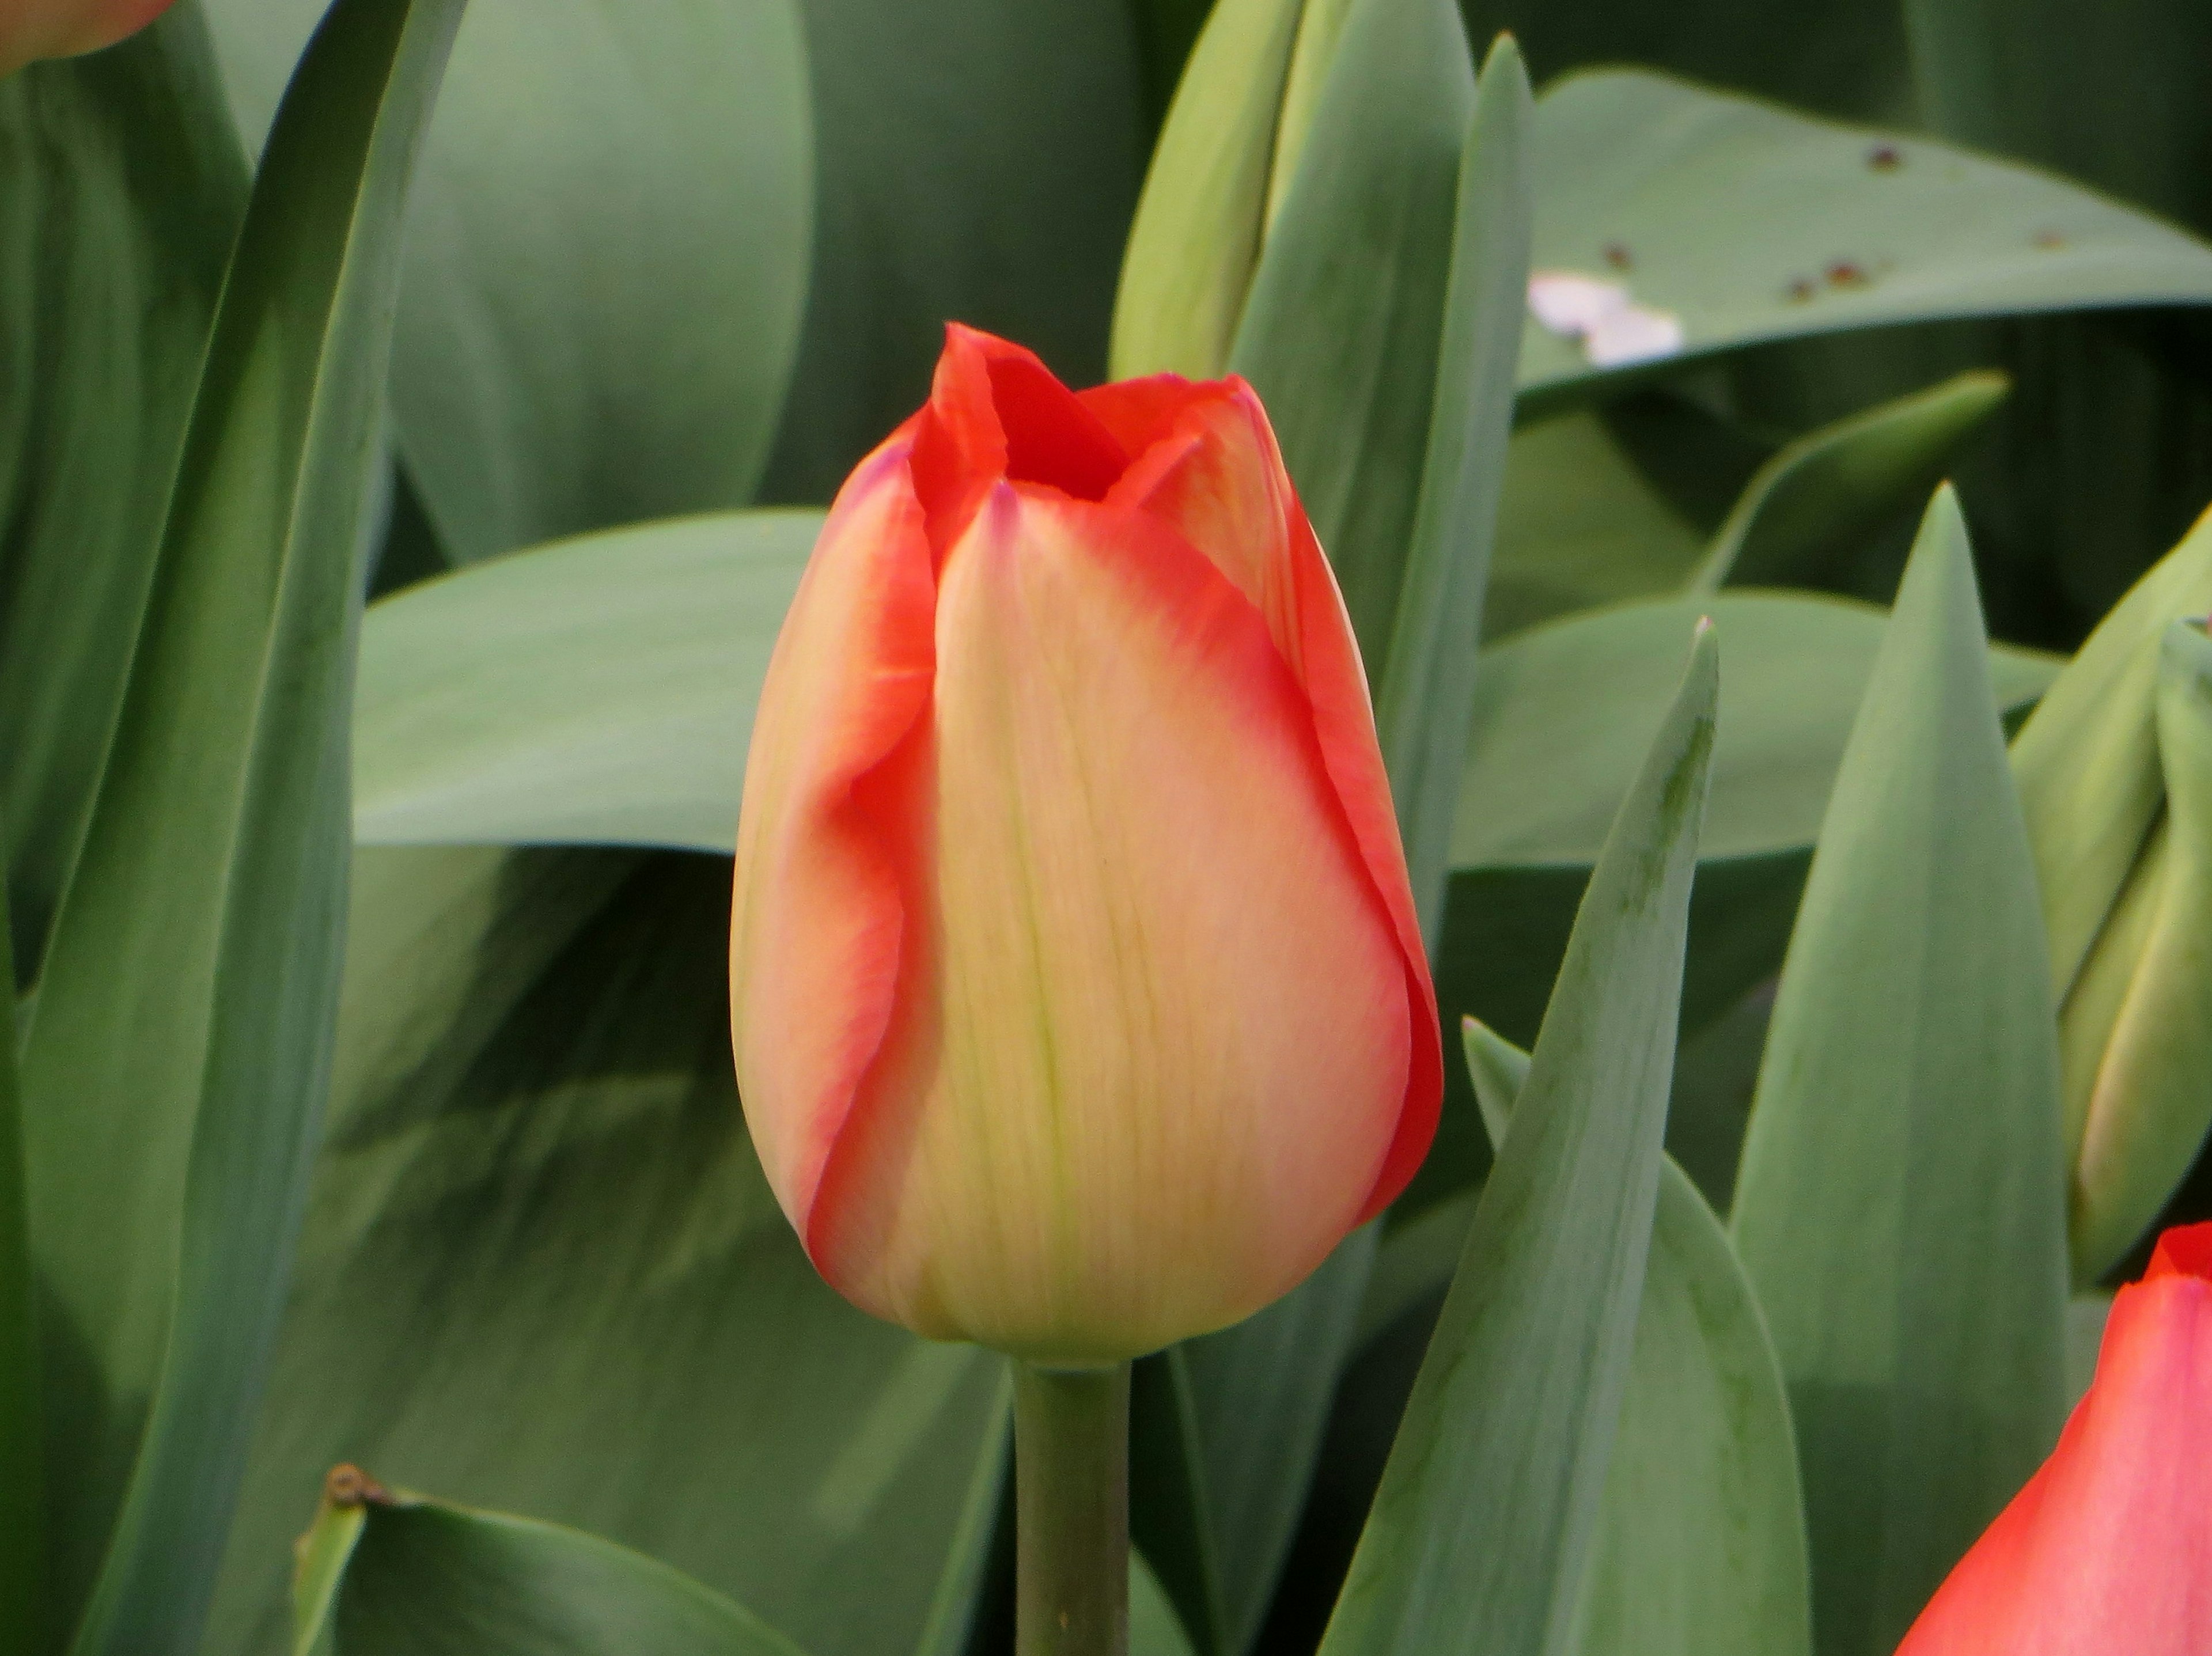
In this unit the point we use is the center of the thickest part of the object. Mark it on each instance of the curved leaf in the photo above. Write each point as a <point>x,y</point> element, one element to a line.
<point>1562,711</point>
<point>1748,223</point>
<point>597,691</point>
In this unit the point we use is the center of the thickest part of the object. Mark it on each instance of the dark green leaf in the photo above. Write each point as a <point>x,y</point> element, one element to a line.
<point>542,1269</point>
<point>174,1070</point>
<point>599,690</point>
<point>1171,1520</point>
<point>1748,223</point>
<point>120,189</point>
<point>22,1449</point>
<point>1425,701</point>
<point>606,262</point>
<point>1908,1101</point>
<point>1480,1534</point>
<point>1701,1549</point>
<point>1832,486</point>
<point>1341,330</point>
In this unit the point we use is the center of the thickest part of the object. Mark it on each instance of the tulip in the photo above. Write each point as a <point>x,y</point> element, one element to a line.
<point>1078,1000</point>
<point>2115,771</point>
<point>32,29</point>
<point>2108,1550</point>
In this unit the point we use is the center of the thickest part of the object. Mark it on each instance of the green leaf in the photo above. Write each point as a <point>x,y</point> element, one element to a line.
<point>1425,701</point>
<point>1831,487</point>
<point>1701,1547</point>
<point>402,1576</point>
<point>599,690</point>
<point>1481,1533</point>
<point>174,1073</point>
<point>1195,240</point>
<point>1748,223</point>
<point>120,189</point>
<point>1154,1627</point>
<point>1341,330</point>
<point>542,1269</point>
<point>1171,1520</point>
<point>1908,1101</point>
<point>1562,711</point>
<point>2087,760</point>
<point>2139,1021</point>
<point>23,1472</point>
<point>593,171</point>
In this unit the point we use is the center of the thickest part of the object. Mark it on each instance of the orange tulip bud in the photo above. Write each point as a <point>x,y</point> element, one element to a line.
<point>2109,1548</point>
<point>1077,995</point>
<point>32,29</point>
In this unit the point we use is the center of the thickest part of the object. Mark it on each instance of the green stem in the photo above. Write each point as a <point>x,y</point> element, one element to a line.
<point>1071,1497</point>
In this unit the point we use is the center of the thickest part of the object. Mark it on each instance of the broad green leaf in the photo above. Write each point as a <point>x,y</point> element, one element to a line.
<point>1195,240</point>
<point>120,189</point>
<point>399,1574</point>
<point>541,1270</point>
<point>2137,1037</point>
<point>1701,1547</point>
<point>22,1449</point>
<point>1480,1534</point>
<point>1154,1627</point>
<point>1749,223</point>
<point>1908,1100</point>
<point>1425,701</point>
<point>1562,711</point>
<point>607,259</point>
<point>174,1072</point>
<point>1341,330</point>
<point>597,691</point>
<point>1832,486</point>
<point>1321,27</point>
<point>1166,32</point>
<point>950,1626</point>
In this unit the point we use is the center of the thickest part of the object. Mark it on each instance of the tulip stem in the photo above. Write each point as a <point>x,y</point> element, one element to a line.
<point>1072,1510</point>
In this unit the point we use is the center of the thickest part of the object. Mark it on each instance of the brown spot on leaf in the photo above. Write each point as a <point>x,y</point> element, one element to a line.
<point>347,1485</point>
<point>1844,274</point>
<point>1617,255</point>
<point>1885,158</point>
<point>2048,239</point>
<point>1801,290</point>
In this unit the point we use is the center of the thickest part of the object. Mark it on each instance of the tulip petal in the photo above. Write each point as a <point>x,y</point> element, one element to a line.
<point>1210,467</point>
<point>2104,1549</point>
<point>817,919</point>
<point>1162,1016</point>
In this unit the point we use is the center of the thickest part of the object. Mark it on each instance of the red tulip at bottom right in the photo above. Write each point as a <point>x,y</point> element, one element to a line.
<point>2109,1548</point>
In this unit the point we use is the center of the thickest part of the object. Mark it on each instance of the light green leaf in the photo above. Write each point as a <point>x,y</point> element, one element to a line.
<point>408,1576</point>
<point>1479,1536</point>
<point>1562,710</point>
<point>599,690</point>
<point>542,1269</point>
<point>174,1073</point>
<point>2137,1119</point>
<point>2086,759</point>
<point>606,261</point>
<point>1341,330</point>
<point>1908,1100</point>
<point>1832,486</point>
<point>1195,240</point>
<point>1747,222</point>
<point>1321,27</point>
<point>120,189</point>
<point>1701,1547</point>
<point>1425,701</point>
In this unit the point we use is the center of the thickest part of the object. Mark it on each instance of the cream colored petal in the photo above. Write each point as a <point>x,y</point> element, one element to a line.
<point>1173,1044</point>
